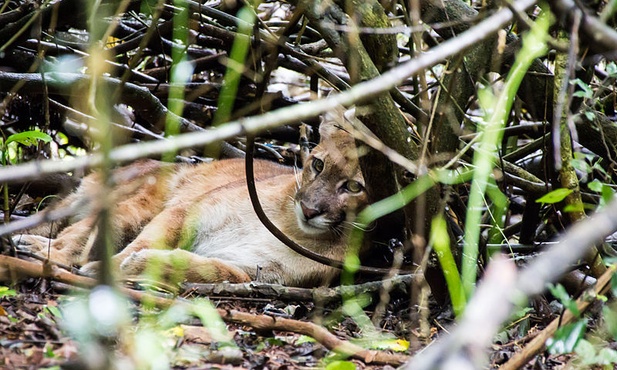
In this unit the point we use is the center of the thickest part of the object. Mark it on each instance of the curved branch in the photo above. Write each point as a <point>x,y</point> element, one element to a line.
<point>301,250</point>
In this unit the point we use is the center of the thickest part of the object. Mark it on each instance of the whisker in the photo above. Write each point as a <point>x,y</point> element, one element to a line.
<point>297,177</point>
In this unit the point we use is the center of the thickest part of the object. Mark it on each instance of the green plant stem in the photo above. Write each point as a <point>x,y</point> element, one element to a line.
<point>235,66</point>
<point>533,46</point>
<point>233,74</point>
<point>498,209</point>
<point>441,244</point>
<point>391,204</point>
<point>5,186</point>
<point>179,72</point>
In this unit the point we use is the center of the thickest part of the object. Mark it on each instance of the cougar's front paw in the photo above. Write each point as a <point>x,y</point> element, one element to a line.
<point>43,247</point>
<point>32,243</point>
<point>91,268</point>
<point>135,263</point>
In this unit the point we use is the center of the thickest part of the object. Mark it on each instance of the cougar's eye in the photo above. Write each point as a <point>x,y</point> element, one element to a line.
<point>353,186</point>
<point>317,165</point>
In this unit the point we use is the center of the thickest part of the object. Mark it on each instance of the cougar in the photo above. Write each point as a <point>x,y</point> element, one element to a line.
<point>196,222</point>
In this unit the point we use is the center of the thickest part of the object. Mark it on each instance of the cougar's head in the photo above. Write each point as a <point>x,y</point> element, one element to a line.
<point>332,188</point>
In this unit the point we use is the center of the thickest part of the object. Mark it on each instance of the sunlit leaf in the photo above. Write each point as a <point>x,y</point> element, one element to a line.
<point>578,207</point>
<point>6,292</point>
<point>49,352</point>
<point>28,138</point>
<point>177,331</point>
<point>554,196</point>
<point>398,345</point>
<point>54,311</point>
<point>606,356</point>
<point>595,185</point>
<point>586,352</point>
<point>341,365</point>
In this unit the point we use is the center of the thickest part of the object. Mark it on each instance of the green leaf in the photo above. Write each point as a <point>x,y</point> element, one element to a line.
<point>598,167</point>
<point>595,185</point>
<point>607,193</point>
<point>610,320</point>
<point>581,165</point>
<point>397,345</point>
<point>566,338</point>
<point>28,138</point>
<point>54,311</point>
<point>341,365</point>
<point>605,190</point>
<point>554,196</point>
<point>606,356</point>
<point>611,69</point>
<point>49,352</point>
<point>578,207</point>
<point>304,339</point>
<point>590,354</point>
<point>6,292</point>
<point>585,90</point>
<point>586,352</point>
<point>560,293</point>
<point>589,115</point>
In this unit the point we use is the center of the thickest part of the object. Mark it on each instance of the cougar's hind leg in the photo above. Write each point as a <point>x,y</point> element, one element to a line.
<point>174,266</point>
<point>138,197</point>
<point>133,209</point>
<point>164,231</point>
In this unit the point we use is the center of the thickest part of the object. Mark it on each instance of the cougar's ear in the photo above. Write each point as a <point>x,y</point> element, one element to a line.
<point>336,122</point>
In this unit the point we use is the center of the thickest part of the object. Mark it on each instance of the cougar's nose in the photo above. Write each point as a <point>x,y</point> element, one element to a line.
<point>309,212</point>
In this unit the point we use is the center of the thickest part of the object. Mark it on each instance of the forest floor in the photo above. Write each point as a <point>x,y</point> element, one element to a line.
<point>34,334</point>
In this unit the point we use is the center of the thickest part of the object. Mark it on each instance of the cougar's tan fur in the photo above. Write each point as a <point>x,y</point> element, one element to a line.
<point>197,222</point>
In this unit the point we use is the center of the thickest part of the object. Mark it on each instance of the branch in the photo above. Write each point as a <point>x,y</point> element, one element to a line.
<point>321,294</point>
